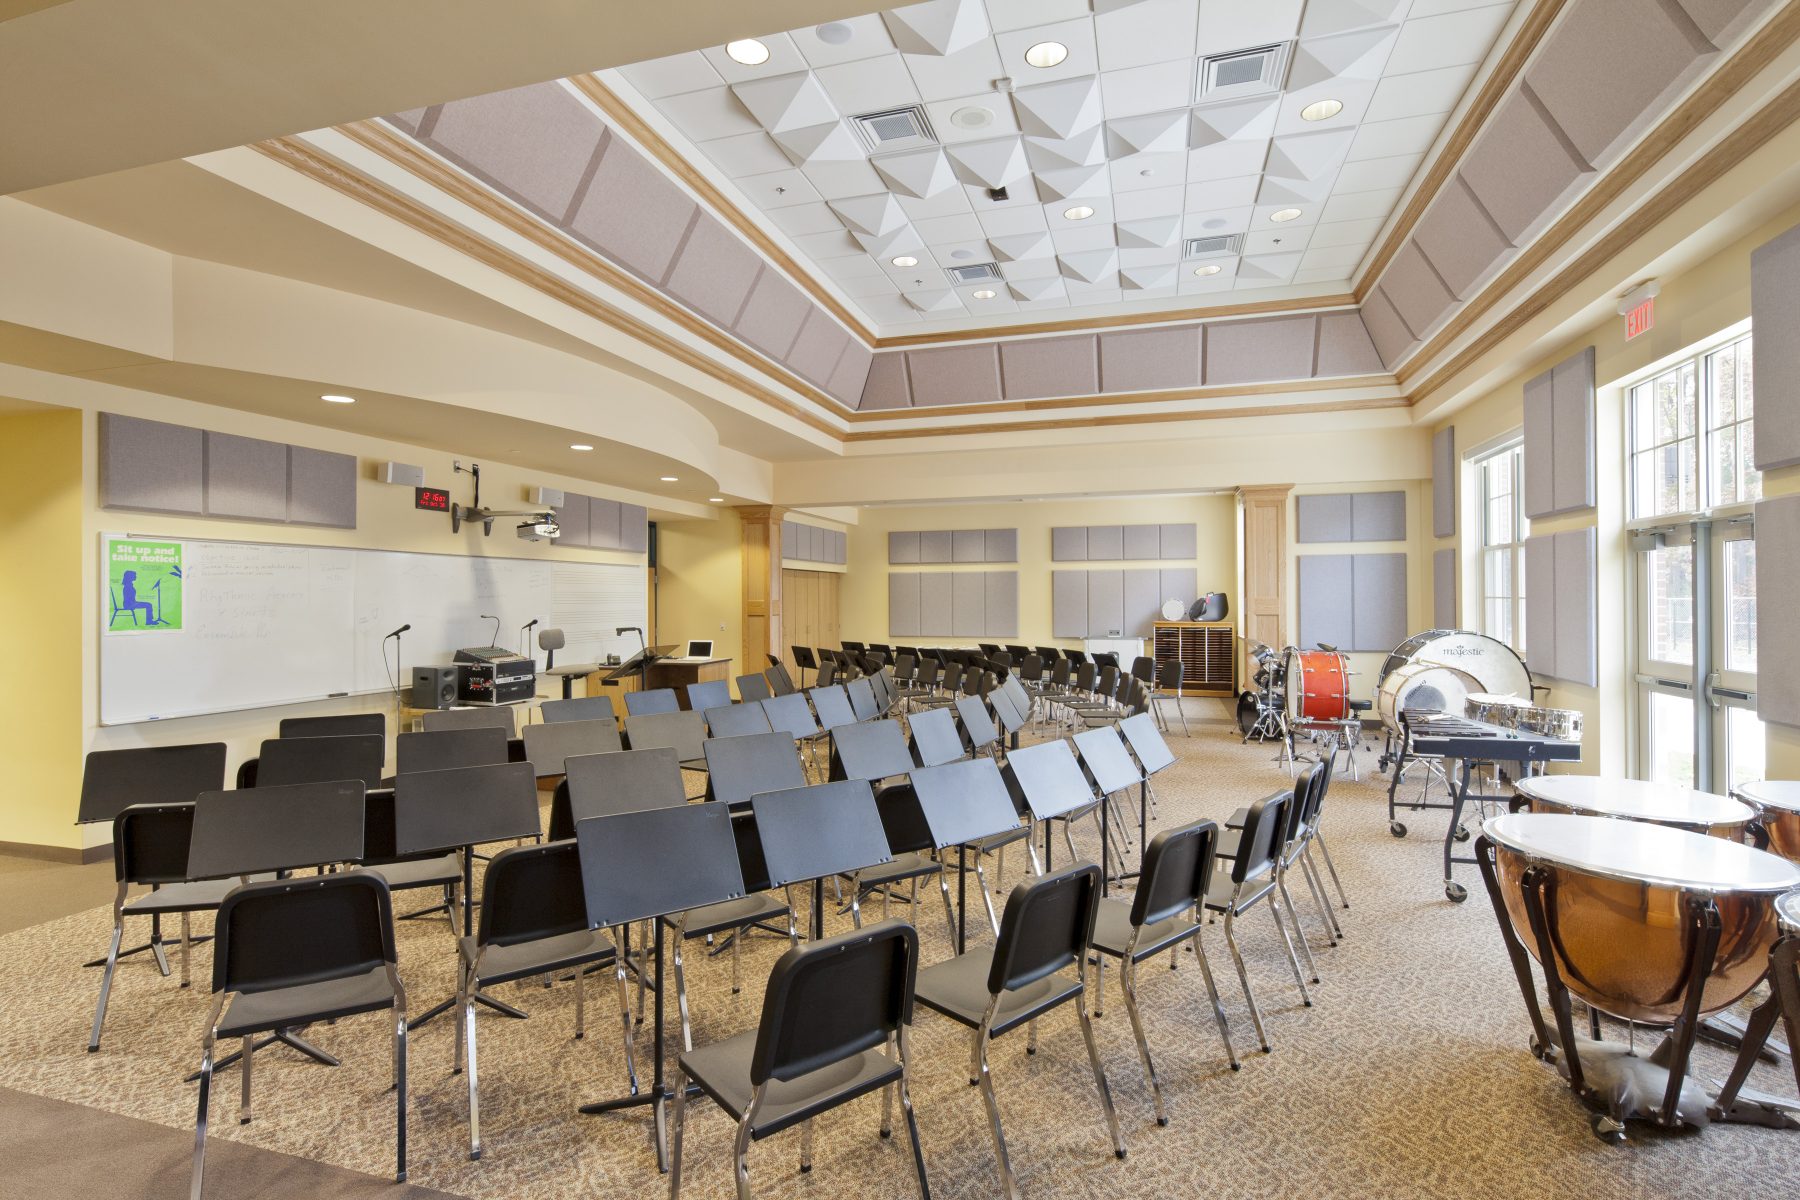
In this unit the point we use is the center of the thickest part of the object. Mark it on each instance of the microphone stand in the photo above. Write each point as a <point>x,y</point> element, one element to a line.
<point>399,684</point>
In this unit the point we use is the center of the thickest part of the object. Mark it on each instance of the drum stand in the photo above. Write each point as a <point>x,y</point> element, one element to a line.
<point>1608,1078</point>
<point>1734,1103</point>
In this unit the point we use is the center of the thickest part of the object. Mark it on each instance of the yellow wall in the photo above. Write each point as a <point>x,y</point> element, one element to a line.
<point>41,597</point>
<point>700,583</point>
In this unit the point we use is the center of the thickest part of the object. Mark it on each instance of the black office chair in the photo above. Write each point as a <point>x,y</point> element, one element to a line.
<point>830,1011</point>
<point>1177,868</point>
<point>533,922</point>
<point>780,682</point>
<point>655,700</point>
<point>1251,879</point>
<point>1047,927</point>
<point>297,951</point>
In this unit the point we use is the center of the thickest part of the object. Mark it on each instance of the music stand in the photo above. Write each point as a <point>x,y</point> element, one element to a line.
<point>436,812</point>
<point>873,751</point>
<point>580,708</point>
<point>741,767</point>
<point>965,802</point>
<point>1052,785</point>
<point>333,726</point>
<point>644,866</point>
<point>976,722</point>
<point>285,761</point>
<point>738,720</point>
<point>629,781</point>
<point>810,833</point>
<point>833,707</point>
<point>1012,718</point>
<point>684,731</point>
<point>251,831</point>
<point>935,739</point>
<point>548,747</point>
<point>1110,766</point>
<point>448,749</point>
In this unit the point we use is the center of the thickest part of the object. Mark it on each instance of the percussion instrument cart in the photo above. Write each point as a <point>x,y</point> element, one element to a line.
<point>1610,1079</point>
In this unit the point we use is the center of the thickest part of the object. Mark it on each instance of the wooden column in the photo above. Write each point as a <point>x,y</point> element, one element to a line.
<point>762,584</point>
<point>1264,510</point>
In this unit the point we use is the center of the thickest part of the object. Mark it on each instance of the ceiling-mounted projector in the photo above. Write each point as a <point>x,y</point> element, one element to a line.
<point>544,528</point>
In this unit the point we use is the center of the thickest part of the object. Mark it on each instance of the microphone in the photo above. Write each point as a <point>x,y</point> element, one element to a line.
<point>531,622</point>
<point>398,632</point>
<point>495,641</point>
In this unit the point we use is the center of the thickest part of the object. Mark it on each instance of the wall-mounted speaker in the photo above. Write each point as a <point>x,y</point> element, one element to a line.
<point>548,497</point>
<point>433,687</point>
<point>403,473</point>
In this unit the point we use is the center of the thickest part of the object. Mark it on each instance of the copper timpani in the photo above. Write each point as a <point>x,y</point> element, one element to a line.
<point>1778,802</point>
<point>1638,800</point>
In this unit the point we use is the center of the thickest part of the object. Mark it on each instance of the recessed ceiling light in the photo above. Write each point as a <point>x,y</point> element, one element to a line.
<point>750,52</point>
<point>715,499</point>
<point>670,479</point>
<point>579,446</point>
<point>338,399</point>
<point>985,294</point>
<point>1321,110</point>
<point>1046,54</point>
<point>833,33</point>
<point>1080,212</point>
<point>906,260</point>
<point>962,254</point>
<point>973,116</point>
<point>1208,269</point>
<point>1284,214</point>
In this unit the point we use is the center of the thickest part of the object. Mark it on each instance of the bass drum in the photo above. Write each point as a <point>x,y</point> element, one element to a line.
<point>1318,686</point>
<point>1423,685</point>
<point>1247,710</point>
<point>1494,665</point>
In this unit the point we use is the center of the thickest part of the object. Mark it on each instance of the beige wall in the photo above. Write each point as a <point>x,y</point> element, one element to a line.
<point>700,583</point>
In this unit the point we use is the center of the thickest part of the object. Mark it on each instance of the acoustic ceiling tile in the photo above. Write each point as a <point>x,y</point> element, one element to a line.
<point>806,218</point>
<point>1281,239</point>
<point>704,115</point>
<point>1148,170</point>
<point>1403,135</point>
<point>1149,202</point>
<point>1148,278</point>
<point>868,85</point>
<point>1074,183</point>
<point>746,154</point>
<point>1323,20</point>
<point>1089,266</point>
<point>1154,87</point>
<point>1058,110</point>
<point>784,58</point>
<point>1000,119</point>
<point>786,101</point>
<point>853,38</point>
<point>1447,40</point>
<point>1076,36</point>
<point>1151,133</point>
<point>828,247</point>
<point>1308,156</point>
<point>937,27</point>
<point>1337,258</point>
<point>1209,195</point>
<point>1049,287</point>
<point>1150,31</point>
<point>1223,162</point>
<point>1269,269</point>
<point>1086,236</point>
<point>996,163</point>
<point>875,215</point>
<point>670,76</point>
<point>963,73</point>
<point>876,285</point>
<point>1359,206</point>
<point>1353,54</point>
<point>1345,233</point>
<point>1232,24</point>
<point>775,190</point>
<point>1018,14</point>
<point>836,179</point>
<point>1377,174</point>
<point>936,300</point>
<point>917,173</point>
<point>1419,94</point>
<point>830,142</point>
<point>1235,120</point>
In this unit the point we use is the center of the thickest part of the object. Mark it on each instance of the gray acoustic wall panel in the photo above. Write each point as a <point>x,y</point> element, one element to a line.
<point>968,604</point>
<point>817,350</point>
<point>1577,612</point>
<point>1378,517</point>
<point>1001,546</point>
<point>1443,588</point>
<point>790,541</point>
<point>934,604</point>
<point>1345,347</point>
<point>714,274</point>
<point>1378,616</point>
<point>1775,304</point>
<point>1002,603</point>
<point>634,528</point>
<point>968,546</point>
<point>321,488</point>
<point>246,478</point>
<point>1106,602</point>
<point>533,143</point>
<point>572,519</point>
<point>886,385</point>
<point>1391,336</point>
<point>1778,574</point>
<point>1415,290</point>
<point>633,213</point>
<point>1143,588</point>
<point>809,543</point>
<point>1539,445</point>
<point>1327,599</point>
<point>903,604</point>
<point>603,524</point>
<point>1144,360</point>
<point>1178,541</point>
<point>955,374</point>
<point>1521,170</point>
<point>1178,583</point>
<point>935,546</point>
<point>1142,541</point>
<point>1461,241</point>
<point>903,546</point>
<point>1540,604</point>
<point>151,466</point>
<point>1252,351</point>
<point>773,314</point>
<point>1062,366</point>
<point>1572,432</point>
<point>1443,482</point>
<point>1323,518</point>
<point>851,373</point>
<point>1069,543</point>
<point>1105,543</point>
<point>1068,604</point>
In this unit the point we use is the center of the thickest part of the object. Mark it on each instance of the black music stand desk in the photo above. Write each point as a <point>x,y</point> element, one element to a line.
<point>964,804</point>
<point>1110,765</point>
<point>810,833</point>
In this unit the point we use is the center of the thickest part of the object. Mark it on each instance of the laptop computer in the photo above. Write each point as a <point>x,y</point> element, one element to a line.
<point>700,649</point>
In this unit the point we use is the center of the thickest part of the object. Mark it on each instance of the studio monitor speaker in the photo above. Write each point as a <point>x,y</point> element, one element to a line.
<point>433,687</point>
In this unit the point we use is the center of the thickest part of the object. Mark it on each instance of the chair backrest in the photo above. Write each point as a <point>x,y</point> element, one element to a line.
<point>1168,675</point>
<point>926,676</point>
<point>1177,868</point>
<point>492,716</point>
<point>833,998</point>
<point>290,932</point>
<point>322,759</point>
<point>935,740</point>
<point>1144,667</point>
<point>579,708</point>
<point>791,714</point>
<point>753,687</point>
<point>682,729</point>
<point>1031,668</point>
<point>737,720</point>
<point>709,693</point>
<point>651,701</point>
<point>334,726</point>
<point>549,746</point>
<point>828,673</point>
<point>861,694</point>
<point>532,892</point>
<point>551,640</point>
<point>1260,839</point>
<point>780,682</point>
<point>1059,672</point>
<point>905,667</point>
<point>150,842</point>
<point>1108,685</point>
<point>446,750</point>
<point>1309,793</point>
<point>1047,926</point>
<point>1086,675</point>
<point>977,725</point>
<point>953,673</point>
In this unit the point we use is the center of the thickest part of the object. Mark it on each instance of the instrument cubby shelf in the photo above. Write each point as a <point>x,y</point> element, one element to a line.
<point>1207,651</point>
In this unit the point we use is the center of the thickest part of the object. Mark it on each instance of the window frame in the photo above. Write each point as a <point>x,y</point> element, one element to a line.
<point>1513,546</point>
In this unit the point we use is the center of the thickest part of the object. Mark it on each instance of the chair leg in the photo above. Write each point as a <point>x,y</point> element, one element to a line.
<point>806,1134</point>
<point>400,1092</point>
<point>1317,886</point>
<point>912,1122</point>
<point>187,939</point>
<point>1243,976</point>
<point>106,980</point>
<point>580,1005</point>
<point>245,1057</point>
<point>1281,888</point>
<point>1212,992</point>
<point>675,1132</point>
<point>468,1016</point>
<point>681,1004</point>
<point>741,1150</point>
<point>625,1018</point>
<point>206,1072</point>
<point>1112,1117</point>
<point>1009,1183</point>
<point>987,897</point>
<point>1288,943</point>
<point>1332,867</point>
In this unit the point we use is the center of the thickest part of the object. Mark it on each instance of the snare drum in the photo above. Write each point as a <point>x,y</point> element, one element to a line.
<point>1502,711</point>
<point>1318,686</point>
<point>1563,724</point>
<point>1778,801</point>
<point>1637,800</point>
<point>1422,685</point>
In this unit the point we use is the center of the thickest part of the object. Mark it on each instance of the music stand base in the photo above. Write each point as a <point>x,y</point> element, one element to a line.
<point>284,1037</point>
<point>499,1006</point>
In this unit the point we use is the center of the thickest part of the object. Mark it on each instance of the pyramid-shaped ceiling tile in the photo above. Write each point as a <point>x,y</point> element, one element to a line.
<point>1050,287</point>
<point>1152,233</point>
<point>921,174</point>
<point>939,27</point>
<point>1289,193</point>
<point>1144,278</point>
<point>1243,120</point>
<point>1309,155</point>
<point>1085,149</point>
<point>937,300</point>
<point>991,164</point>
<point>1059,110</point>
<point>1340,15</point>
<point>875,215</point>
<point>1015,247</point>
<point>1268,268</point>
<point>1072,182</point>
<point>831,142</point>
<point>904,240</point>
<point>1152,133</point>
<point>1089,266</point>
<point>786,101</point>
<point>1360,54</point>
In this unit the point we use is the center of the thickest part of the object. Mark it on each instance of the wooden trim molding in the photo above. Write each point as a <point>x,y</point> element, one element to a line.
<point>1116,399</point>
<point>1218,312</point>
<point>1117,419</point>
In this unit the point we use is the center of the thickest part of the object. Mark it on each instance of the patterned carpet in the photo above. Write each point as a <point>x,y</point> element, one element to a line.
<point>1408,1078</point>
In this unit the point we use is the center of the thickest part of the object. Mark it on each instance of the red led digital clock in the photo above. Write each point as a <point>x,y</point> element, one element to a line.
<point>435,499</point>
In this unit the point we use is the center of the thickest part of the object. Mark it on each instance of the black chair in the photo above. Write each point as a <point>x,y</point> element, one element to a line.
<point>753,687</point>
<point>297,951</point>
<point>1167,687</point>
<point>827,674</point>
<point>533,922</point>
<point>737,720</point>
<point>1047,927</point>
<point>1177,869</point>
<point>780,682</point>
<point>654,700</point>
<point>710,693</point>
<point>488,716</point>
<point>342,725</point>
<point>581,708</point>
<point>1251,879</point>
<point>830,1011</point>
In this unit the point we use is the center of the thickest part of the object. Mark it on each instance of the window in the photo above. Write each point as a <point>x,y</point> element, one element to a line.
<point>1669,474</point>
<point>1503,546</point>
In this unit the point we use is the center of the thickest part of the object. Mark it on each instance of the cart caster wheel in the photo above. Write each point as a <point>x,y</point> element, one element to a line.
<point>1396,828</point>
<point>1608,1130</point>
<point>1462,833</point>
<point>1457,892</point>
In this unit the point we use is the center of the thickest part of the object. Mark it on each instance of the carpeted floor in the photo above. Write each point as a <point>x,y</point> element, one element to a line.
<point>1408,1078</point>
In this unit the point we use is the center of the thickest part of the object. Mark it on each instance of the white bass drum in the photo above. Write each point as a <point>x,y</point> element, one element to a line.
<point>1496,668</point>
<point>1423,685</point>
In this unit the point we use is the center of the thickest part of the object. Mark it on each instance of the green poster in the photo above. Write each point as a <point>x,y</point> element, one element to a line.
<point>144,581</point>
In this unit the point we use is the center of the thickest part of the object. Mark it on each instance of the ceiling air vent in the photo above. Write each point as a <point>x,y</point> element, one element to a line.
<point>1207,247</point>
<point>895,129</point>
<point>976,273</point>
<point>1243,72</point>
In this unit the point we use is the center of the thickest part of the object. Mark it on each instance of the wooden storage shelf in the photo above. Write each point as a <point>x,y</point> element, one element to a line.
<point>1207,651</point>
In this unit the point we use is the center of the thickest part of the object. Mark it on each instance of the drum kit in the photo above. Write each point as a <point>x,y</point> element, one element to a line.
<point>1657,906</point>
<point>1300,692</point>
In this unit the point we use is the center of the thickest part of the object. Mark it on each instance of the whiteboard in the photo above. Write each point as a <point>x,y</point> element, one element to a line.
<point>267,624</point>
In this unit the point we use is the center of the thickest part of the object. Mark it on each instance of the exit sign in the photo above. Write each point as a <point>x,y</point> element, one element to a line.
<point>1640,319</point>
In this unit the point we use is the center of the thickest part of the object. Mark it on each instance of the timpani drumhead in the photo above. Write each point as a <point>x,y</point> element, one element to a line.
<point>1787,911</point>
<point>1783,794</point>
<point>1637,800</point>
<point>1639,852</point>
<point>1779,802</point>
